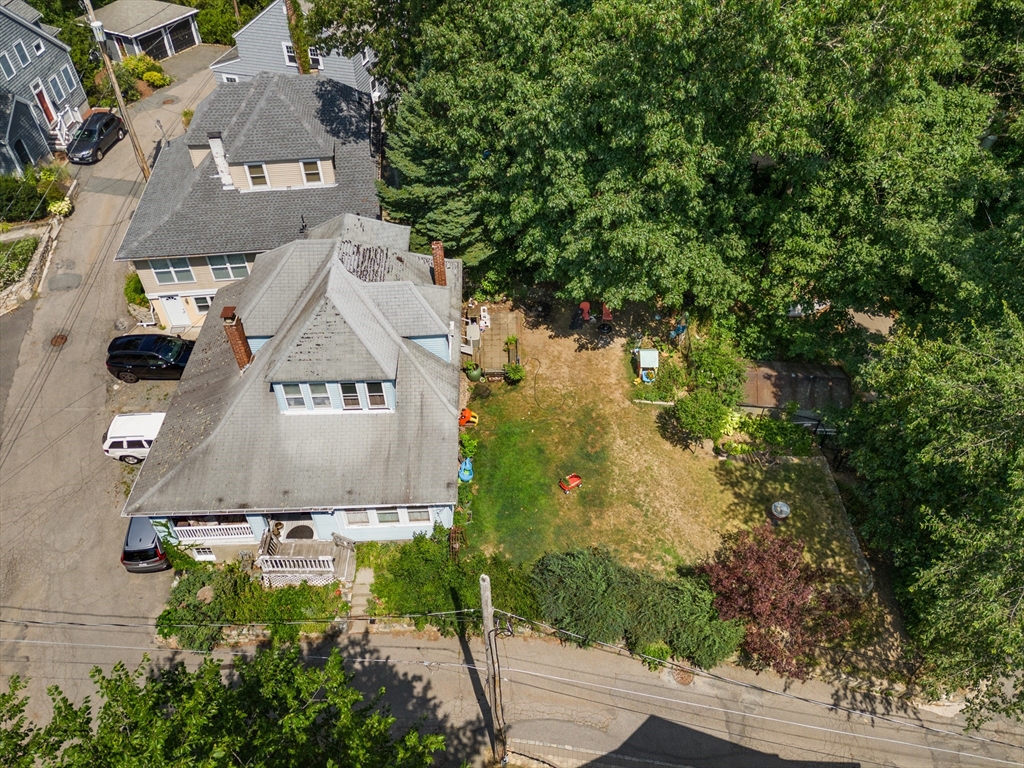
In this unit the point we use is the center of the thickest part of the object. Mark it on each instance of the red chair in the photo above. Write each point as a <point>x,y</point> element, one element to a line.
<point>606,314</point>
<point>585,306</point>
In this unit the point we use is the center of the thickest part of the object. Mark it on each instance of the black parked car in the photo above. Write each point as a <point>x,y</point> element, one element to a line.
<point>148,356</point>
<point>99,132</point>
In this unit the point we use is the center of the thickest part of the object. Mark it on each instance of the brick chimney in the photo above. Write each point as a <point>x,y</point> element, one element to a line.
<point>440,275</point>
<point>236,337</point>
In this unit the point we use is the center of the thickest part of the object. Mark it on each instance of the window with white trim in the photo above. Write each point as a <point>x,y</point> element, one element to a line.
<point>350,398</point>
<point>6,66</point>
<point>385,516</point>
<point>69,78</point>
<point>289,55</point>
<point>19,48</point>
<point>57,88</point>
<point>311,172</point>
<point>365,57</point>
<point>202,303</point>
<point>314,58</point>
<point>229,266</point>
<point>38,47</point>
<point>357,517</point>
<point>204,554</point>
<point>230,78</point>
<point>419,515</point>
<point>337,397</point>
<point>375,394</point>
<point>168,271</point>
<point>257,175</point>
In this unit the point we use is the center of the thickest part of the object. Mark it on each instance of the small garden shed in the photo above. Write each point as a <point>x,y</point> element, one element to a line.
<point>156,29</point>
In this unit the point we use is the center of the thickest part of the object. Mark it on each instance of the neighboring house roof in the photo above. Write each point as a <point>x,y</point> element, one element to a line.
<point>134,17</point>
<point>185,210</point>
<point>17,14</point>
<point>22,9</point>
<point>811,387</point>
<point>277,117</point>
<point>225,446</point>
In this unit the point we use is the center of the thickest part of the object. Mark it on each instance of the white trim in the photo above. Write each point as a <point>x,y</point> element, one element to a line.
<point>230,78</point>
<point>133,36</point>
<point>58,92</point>
<point>34,29</point>
<point>318,56</point>
<point>228,266</point>
<point>190,294</point>
<point>173,270</point>
<point>38,47</point>
<point>42,90</point>
<point>257,16</point>
<point>14,47</point>
<point>266,176</point>
<point>5,55</point>
<point>284,49</point>
<point>319,170</point>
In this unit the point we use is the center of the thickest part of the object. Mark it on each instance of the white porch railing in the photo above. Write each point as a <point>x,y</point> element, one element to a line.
<point>277,563</point>
<point>218,533</point>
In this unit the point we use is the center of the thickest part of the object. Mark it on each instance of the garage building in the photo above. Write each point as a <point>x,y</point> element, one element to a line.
<point>148,26</point>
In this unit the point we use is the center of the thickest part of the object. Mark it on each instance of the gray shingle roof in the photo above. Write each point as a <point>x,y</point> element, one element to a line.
<point>225,446</point>
<point>22,9</point>
<point>133,17</point>
<point>185,210</point>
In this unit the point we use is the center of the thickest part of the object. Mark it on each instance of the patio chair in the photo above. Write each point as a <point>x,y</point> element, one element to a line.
<point>606,314</point>
<point>485,319</point>
<point>585,306</point>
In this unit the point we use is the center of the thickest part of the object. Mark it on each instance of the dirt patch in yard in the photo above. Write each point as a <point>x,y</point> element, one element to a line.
<point>650,501</point>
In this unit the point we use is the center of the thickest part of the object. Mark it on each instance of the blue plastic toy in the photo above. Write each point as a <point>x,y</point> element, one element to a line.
<point>466,471</point>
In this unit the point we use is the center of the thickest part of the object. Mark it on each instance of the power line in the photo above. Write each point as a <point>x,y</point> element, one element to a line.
<point>739,713</point>
<point>710,675</point>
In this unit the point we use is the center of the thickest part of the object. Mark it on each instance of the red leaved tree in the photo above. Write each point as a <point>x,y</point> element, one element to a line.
<point>789,606</point>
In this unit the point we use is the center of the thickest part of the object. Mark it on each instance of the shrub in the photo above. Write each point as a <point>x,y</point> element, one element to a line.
<point>186,117</point>
<point>134,292</point>
<point>778,434</point>
<point>238,599</point>
<point>60,207</point>
<point>583,591</point>
<point>157,79</point>
<point>15,258</point>
<point>701,415</point>
<point>139,65</point>
<point>27,198</point>
<point>514,373</point>
<point>126,82</point>
<point>670,379</point>
<point>789,605</point>
<point>715,365</point>
<point>468,445</point>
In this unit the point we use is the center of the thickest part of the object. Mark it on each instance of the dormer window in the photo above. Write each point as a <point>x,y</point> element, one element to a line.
<point>311,172</point>
<point>336,397</point>
<point>257,175</point>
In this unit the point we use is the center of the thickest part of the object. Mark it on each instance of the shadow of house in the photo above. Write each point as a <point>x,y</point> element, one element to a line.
<point>662,742</point>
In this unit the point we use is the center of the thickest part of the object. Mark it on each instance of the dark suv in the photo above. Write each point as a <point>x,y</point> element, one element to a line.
<point>99,132</point>
<point>148,356</point>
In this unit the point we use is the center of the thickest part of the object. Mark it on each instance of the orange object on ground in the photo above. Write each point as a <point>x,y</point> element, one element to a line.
<point>468,417</point>
<point>585,306</point>
<point>606,314</point>
<point>570,482</point>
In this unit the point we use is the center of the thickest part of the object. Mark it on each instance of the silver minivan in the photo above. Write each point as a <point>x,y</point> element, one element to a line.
<point>130,435</point>
<point>143,552</point>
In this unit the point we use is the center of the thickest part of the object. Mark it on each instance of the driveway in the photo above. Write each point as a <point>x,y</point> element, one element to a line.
<point>60,497</point>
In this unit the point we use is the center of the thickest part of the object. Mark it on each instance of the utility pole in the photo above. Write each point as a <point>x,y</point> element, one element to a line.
<point>491,655</point>
<point>101,38</point>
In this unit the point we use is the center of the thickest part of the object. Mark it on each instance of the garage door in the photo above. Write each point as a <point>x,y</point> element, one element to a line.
<point>153,45</point>
<point>181,36</point>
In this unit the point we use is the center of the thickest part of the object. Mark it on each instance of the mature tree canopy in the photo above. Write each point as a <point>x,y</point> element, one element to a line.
<point>275,712</point>
<point>942,451</point>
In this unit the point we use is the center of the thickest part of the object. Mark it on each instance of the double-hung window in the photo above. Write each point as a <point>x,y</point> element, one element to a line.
<point>202,303</point>
<point>6,66</point>
<point>314,58</point>
<point>69,78</point>
<point>319,396</point>
<point>257,175</point>
<point>350,398</point>
<point>294,398</point>
<point>231,266</point>
<point>289,54</point>
<point>419,515</point>
<point>375,394</point>
<point>171,271</point>
<point>365,57</point>
<point>57,88</point>
<point>311,172</point>
<point>19,48</point>
<point>387,516</point>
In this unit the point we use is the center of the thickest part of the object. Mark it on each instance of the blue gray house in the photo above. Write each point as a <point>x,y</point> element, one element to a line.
<point>265,45</point>
<point>41,97</point>
<point>320,408</point>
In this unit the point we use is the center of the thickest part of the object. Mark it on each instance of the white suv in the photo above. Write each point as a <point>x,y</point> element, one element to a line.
<point>130,435</point>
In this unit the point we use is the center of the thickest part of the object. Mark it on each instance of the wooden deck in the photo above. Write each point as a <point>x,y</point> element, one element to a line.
<point>308,549</point>
<point>490,353</point>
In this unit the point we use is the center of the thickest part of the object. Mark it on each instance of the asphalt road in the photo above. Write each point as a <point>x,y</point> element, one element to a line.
<point>66,604</point>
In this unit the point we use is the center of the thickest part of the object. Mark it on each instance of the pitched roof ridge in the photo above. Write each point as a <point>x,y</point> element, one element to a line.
<point>28,25</point>
<point>290,94</point>
<point>419,298</point>
<point>340,272</point>
<point>257,96</point>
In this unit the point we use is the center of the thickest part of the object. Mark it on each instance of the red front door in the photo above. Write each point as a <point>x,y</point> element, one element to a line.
<point>44,104</point>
